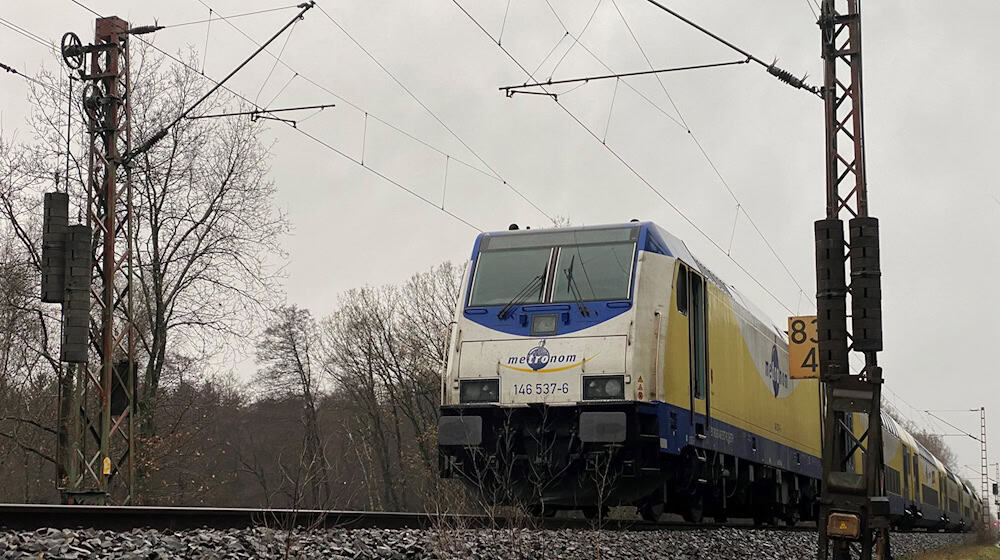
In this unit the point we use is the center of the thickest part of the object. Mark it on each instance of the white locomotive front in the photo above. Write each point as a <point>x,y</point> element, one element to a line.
<point>545,319</point>
<point>540,360</point>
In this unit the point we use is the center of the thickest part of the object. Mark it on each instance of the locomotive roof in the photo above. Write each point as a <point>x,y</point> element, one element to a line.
<point>658,240</point>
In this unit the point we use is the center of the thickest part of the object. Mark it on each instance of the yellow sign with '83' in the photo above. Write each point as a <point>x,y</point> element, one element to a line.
<point>803,348</point>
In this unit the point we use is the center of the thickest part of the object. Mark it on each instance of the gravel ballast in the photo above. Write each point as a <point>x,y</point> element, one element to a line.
<point>715,544</point>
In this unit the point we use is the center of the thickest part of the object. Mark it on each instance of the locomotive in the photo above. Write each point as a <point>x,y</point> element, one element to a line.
<point>581,374</point>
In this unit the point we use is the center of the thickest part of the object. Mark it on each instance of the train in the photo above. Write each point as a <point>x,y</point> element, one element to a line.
<point>581,375</point>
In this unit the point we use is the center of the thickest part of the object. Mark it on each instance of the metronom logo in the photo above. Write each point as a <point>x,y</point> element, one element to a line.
<point>539,357</point>
<point>772,369</point>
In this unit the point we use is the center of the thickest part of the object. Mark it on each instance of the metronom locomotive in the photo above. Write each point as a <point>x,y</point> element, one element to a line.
<point>602,366</point>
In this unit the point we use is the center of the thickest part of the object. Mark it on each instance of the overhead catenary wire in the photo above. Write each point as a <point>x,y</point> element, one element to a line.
<point>628,166</point>
<point>368,114</point>
<point>683,123</point>
<point>437,118</point>
<point>305,133</point>
<point>812,9</point>
<point>977,471</point>
<point>634,89</point>
<point>208,32</point>
<point>11,70</point>
<point>282,90</point>
<point>163,131</point>
<point>711,162</point>
<point>773,69</point>
<point>504,24</point>
<point>586,79</point>
<point>275,65</point>
<point>649,63</point>
<point>28,34</point>
<point>954,426</point>
<point>576,38</point>
<point>552,50</point>
<point>234,16</point>
<point>264,110</point>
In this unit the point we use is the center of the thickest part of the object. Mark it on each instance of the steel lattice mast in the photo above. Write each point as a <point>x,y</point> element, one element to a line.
<point>101,462</point>
<point>847,495</point>
<point>984,473</point>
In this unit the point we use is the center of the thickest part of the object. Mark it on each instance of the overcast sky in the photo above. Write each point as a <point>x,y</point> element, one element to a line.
<point>930,83</point>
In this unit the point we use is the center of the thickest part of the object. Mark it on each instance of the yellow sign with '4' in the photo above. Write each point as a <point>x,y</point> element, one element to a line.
<point>803,347</point>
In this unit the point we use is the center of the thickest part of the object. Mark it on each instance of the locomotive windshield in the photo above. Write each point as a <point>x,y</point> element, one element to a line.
<point>589,265</point>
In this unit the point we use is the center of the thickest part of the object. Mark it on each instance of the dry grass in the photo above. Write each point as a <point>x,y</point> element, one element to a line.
<point>964,552</point>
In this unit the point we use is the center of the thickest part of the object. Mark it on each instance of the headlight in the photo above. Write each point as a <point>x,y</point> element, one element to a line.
<point>609,387</point>
<point>479,391</point>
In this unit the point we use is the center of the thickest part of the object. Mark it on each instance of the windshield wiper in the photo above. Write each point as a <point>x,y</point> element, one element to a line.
<point>536,282</point>
<point>574,289</point>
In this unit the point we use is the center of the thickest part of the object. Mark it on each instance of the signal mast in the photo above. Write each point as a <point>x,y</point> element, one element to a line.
<point>853,507</point>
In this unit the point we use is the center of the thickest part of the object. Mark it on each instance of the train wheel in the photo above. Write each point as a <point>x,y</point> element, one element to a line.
<point>791,517</point>
<point>694,510</point>
<point>651,512</point>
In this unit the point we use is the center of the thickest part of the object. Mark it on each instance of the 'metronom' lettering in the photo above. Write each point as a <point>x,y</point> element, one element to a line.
<point>541,359</point>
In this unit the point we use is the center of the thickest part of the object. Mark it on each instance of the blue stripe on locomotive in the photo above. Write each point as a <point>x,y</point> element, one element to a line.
<point>677,432</point>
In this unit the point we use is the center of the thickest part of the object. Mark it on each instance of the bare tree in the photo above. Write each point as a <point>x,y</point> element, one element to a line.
<point>27,328</point>
<point>286,354</point>
<point>385,347</point>
<point>207,225</point>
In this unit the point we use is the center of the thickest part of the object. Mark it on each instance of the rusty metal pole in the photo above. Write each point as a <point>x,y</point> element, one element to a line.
<point>852,492</point>
<point>108,31</point>
<point>106,469</point>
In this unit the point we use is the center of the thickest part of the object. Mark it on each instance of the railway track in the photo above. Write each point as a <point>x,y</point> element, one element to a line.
<point>124,518</point>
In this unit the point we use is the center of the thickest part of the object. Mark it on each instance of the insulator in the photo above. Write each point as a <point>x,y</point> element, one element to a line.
<point>143,29</point>
<point>788,78</point>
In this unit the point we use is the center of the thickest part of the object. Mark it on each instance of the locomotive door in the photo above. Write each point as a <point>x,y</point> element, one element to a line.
<point>692,303</point>
<point>906,474</point>
<point>698,336</point>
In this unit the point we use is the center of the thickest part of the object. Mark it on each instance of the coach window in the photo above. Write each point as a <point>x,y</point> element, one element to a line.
<point>682,289</point>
